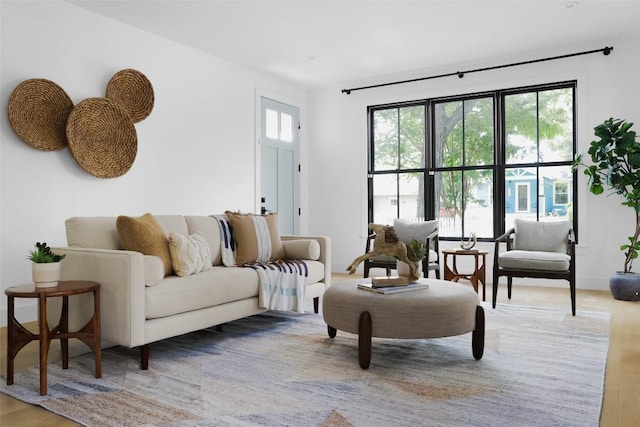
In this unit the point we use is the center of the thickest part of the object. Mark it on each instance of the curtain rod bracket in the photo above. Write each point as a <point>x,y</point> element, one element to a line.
<point>460,74</point>
<point>607,50</point>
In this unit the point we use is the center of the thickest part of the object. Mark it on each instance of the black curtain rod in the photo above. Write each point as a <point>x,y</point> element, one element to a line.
<point>460,74</point>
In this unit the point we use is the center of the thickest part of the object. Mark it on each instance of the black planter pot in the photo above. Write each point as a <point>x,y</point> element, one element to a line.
<point>625,286</point>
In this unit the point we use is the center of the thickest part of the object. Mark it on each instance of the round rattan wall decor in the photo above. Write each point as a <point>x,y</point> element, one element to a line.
<point>38,110</point>
<point>134,91</point>
<point>102,137</point>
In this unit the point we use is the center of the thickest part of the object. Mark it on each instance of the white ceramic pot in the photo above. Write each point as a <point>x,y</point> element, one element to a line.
<point>403,269</point>
<point>45,275</point>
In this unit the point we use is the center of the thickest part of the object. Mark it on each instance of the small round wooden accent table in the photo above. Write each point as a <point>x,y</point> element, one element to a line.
<point>18,336</point>
<point>479,271</point>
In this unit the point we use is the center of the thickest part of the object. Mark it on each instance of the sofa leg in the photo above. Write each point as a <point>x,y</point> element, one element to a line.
<point>316,304</point>
<point>144,357</point>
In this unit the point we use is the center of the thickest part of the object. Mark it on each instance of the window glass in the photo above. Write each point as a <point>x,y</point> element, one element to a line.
<point>411,187</point>
<point>385,192</point>
<point>271,122</point>
<point>412,130</point>
<point>385,139</point>
<point>286,127</point>
<point>438,158</point>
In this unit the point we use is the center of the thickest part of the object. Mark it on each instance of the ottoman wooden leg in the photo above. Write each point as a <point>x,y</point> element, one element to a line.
<point>477,338</point>
<point>331,331</point>
<point>364,340</point>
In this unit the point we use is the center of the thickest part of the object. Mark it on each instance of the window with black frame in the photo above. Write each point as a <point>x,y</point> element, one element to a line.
<point>450,158</point>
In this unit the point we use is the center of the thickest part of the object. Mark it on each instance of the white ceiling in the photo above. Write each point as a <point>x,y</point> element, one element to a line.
<point>331,43</point>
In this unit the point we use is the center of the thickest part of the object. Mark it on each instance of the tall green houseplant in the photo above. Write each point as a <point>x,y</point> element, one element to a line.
<point>615,158</point>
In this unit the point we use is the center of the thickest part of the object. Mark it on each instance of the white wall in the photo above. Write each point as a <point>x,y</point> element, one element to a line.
<point>196,151</point>
<point>607,86</point>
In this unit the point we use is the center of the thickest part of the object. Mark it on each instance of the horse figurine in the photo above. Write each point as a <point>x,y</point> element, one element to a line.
<point>386,243</point>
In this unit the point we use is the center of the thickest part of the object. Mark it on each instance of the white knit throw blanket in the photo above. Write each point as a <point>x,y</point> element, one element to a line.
<point>283,285</point>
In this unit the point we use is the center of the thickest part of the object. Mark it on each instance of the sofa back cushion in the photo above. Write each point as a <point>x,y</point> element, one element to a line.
<point>208,226</point>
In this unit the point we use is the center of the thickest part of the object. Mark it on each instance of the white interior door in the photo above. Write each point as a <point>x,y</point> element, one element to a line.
<point>279,172</point>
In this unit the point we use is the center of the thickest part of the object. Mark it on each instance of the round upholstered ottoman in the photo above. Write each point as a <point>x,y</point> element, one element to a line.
<point>444,309</point>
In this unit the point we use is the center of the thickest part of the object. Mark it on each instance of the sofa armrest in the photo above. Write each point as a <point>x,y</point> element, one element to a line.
<point>325,253</point>
<point>122,292</point>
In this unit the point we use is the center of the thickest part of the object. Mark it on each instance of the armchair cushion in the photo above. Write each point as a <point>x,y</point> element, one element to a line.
<point>409,230</point>
<point>534,260</point>
<point>541,236</point>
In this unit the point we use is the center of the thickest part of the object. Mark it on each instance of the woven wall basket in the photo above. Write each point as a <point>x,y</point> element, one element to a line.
<point>134,91</point>
<point>38,111</point>
<point>102,137</point>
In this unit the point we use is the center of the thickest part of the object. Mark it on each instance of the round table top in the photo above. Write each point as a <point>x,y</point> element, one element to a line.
<point>464,252</point>
<point>64,288</point>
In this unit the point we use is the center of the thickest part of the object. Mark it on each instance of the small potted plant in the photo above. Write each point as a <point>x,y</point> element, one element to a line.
<point>416,252</point>
<point>46,266</point>
<point>616,167</point>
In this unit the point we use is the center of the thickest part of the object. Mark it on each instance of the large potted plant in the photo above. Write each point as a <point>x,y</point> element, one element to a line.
<point>46,266</point>
<point>615,158</point>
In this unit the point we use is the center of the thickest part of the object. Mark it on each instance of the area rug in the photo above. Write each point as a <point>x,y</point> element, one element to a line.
<point>541,367</point>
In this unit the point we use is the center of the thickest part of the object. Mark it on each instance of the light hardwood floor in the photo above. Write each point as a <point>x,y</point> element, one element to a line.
<point>621,404</point>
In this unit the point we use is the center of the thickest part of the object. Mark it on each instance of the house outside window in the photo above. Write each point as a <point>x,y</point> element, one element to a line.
<point>475,162</point>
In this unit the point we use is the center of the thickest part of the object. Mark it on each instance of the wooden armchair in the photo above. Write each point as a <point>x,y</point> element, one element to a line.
<point>537,250</point>
<point>407,231</point>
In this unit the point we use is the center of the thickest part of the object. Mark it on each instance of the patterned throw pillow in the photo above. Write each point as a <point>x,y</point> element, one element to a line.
<point>144,234</point>
<point>257,237</point>
<point>227,241</point>
<point>189,254</point>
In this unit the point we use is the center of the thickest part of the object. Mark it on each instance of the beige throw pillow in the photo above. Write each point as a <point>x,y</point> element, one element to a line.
<point>257,237</point>
<point>144,234</point>
<point>189,254</point>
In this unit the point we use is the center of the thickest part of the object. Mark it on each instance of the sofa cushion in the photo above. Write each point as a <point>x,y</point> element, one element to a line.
<point>218,285</point>
<point>548,236</point>
<point>144,234</point>
<point>189,254</point>
<point>257,237</point>
<point>209,228</point>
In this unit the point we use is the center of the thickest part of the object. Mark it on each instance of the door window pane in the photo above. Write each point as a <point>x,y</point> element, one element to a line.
<point>448,186</point>
<point>448,134</point>
<point>286,127</point>
<point>478,203</point>
<point>271,122</point>
<point>478,132</point>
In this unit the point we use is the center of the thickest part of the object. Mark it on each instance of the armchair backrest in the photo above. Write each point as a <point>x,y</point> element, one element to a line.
<point>409,230</point>
<point>544,236</point>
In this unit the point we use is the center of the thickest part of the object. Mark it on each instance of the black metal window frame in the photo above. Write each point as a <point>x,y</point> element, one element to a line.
<point>499,165</point>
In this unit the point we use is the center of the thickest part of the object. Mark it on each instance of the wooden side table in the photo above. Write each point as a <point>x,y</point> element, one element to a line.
<point>479,271</point>
<point>18,336</point>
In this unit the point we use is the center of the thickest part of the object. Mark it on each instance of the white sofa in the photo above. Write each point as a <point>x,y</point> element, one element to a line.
<point>139,305</point>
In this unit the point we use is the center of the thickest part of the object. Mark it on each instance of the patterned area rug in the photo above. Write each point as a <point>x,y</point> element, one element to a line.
<point>540,367</point>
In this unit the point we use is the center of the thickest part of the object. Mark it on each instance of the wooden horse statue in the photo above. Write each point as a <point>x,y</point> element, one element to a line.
<point>386,243</point>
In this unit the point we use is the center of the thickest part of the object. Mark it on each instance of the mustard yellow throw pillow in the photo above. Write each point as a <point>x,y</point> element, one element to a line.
<point>257,237</point>
<point>144,234</point>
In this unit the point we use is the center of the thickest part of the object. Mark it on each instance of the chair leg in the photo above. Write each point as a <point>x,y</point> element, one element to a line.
<point>366,270</point>
<point>496,279</point>
<point>509,284</point>
<point>572,289</point>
